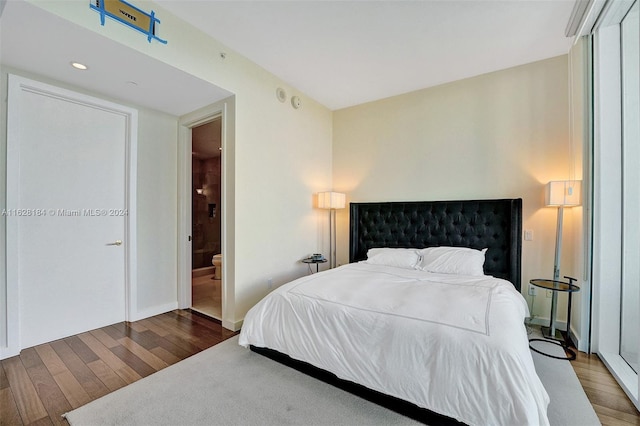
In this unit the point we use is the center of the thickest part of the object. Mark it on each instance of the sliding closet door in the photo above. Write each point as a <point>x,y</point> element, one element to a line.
<point>616,195</point>
<point>630,300</point>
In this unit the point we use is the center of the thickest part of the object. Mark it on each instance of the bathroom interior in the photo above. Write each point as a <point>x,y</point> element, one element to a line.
<point>206,274</point>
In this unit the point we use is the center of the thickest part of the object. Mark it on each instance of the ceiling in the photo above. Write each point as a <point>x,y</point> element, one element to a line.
<point>344,53</point>
<point>36,41</point>
<point>340,53</point>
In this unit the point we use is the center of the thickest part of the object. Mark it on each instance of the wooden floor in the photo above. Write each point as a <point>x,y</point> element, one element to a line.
<point>44,382</point>
<point>608,399</point>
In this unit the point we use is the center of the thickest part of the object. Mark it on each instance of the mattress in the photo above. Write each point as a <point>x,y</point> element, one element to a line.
<point>455,345</point>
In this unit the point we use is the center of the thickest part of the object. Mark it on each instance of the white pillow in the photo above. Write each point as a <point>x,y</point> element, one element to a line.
<point>452,260</point>
<point>398,257</point>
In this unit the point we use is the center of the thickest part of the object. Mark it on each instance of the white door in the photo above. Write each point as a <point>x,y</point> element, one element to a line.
<point>67,210</point>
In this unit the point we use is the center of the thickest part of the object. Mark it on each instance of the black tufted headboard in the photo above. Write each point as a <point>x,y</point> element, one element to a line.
<point>492,224</point>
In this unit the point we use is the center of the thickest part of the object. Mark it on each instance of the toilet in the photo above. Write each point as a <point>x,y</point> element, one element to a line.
<point>217,262</point>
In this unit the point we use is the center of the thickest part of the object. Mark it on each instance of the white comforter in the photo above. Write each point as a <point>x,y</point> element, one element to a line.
<point>453,344</point>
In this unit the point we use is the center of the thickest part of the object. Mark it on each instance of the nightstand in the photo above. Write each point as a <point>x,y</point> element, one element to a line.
<point>550,334</point>
<point>316,262</point>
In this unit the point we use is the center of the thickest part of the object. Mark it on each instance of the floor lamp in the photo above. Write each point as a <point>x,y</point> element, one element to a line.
<point>560,194</point>
<point>331,201</point>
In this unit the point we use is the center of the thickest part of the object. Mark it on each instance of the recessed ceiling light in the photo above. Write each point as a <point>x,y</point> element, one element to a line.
<point>79,66</point>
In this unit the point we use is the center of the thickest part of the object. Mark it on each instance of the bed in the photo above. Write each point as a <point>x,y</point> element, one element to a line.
<point>411,322</point>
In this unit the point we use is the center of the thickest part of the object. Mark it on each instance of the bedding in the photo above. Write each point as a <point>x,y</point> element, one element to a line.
<point>398,257</point>
<point>453,344</point>
<point>452,260</point>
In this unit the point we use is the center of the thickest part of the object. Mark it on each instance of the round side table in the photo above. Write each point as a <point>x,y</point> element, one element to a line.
<point>317,262</point>
<point>550,334</point>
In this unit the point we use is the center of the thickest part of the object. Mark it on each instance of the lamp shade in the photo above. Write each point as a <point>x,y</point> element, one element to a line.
<point>563,193</point>
<point>331,200</point>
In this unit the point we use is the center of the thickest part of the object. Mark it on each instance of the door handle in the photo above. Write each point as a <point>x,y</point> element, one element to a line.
<point>116,243</point>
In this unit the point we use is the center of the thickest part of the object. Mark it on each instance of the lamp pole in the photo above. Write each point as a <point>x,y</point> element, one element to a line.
<point>331,201</point>
<point>556,273</point>
<point>332,238</point>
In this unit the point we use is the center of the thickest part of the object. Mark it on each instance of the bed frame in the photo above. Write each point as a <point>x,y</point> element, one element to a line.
<point>492,224</point>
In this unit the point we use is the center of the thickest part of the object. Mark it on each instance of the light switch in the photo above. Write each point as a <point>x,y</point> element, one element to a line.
<point>528,234</point>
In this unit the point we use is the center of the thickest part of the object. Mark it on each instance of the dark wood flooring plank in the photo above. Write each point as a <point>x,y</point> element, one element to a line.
<point>183,345</point>
<point>199,336</point>
<point>609,401</point>
<point>146,339</point>
<point>178,337</point>
<point>618,415</point>
<point>81,349</point>
<point>83,374</point>
<point>612,421</point>
<point>148,357</point>
<point>116,331</point>
<point>176,346</point>
<point>109,358</point>
<point>4,382</point>
<point>50,394</point>
<point>186,325</point>
<point>51,359</point>
<point>151,326</point>
<point>30,358</point>
<point>604,378</point>
<point>109,377</point>
<point>212,325</point>
<point>24,393</point>
<point>46,421</point>
<point>9,415</point>
<point>69,385</point>
<point>104,338</point>
<point>614,402</point>
<point>137,326</point>
<point>612,389</point>
<point>72,389</point>
<point>135,363</point>
<point>165,355</point>
<point>192,324</point>
<point>170,325</point>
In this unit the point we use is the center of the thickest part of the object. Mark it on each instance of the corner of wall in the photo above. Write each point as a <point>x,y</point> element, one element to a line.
<point>3,206</point>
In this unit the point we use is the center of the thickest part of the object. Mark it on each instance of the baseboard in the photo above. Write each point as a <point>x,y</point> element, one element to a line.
<point>579,343</point>
<point>561,325</point>
<point>233,326</point>
<point>7,352</point>
<point>154,310</point>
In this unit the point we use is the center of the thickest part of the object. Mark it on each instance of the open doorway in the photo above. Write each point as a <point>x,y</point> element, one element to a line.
<point>206,229</point>
<point>223,111</point>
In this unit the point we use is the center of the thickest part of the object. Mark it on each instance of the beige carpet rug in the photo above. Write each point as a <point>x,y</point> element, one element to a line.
<point>230,385</point>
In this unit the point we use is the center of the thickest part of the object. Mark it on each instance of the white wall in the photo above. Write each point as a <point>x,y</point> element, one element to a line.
<point>498,135</point>
<point>3,205</point>
<point>157,212</point>
<point>578,217</point>
<point>282,155</point>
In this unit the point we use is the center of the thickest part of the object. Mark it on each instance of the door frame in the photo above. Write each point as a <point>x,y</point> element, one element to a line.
<point>225,110</point>
<point>16,85</point>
